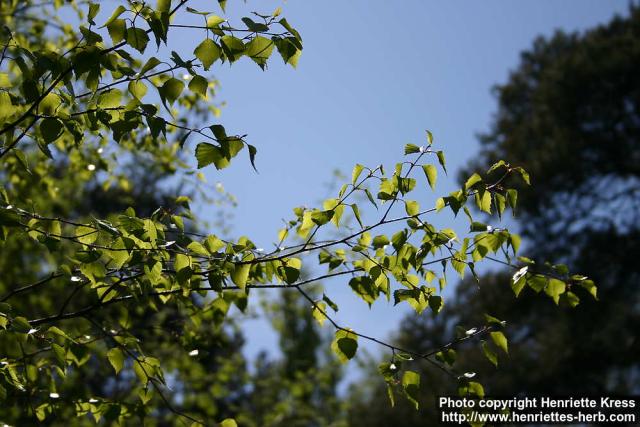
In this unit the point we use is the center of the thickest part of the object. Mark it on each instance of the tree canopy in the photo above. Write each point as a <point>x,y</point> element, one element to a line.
<point>117,301</point>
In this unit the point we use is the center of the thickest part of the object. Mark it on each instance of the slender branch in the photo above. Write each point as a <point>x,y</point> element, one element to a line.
<point>27,288</point>
<point>100,304</point>
<point>392,347</point>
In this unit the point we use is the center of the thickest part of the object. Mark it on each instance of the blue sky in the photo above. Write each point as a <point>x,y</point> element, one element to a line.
<point>373,76</point>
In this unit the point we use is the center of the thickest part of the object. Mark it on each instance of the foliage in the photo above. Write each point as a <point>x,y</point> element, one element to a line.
<point>573,96</point>
<point>138,296</point>
<point>578,97</point>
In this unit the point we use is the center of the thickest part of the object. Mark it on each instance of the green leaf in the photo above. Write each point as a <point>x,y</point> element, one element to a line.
<point>485,202</point>
<point>524,174</point>
<point>355,174</point>
<point>356,213</point>
<point>500,341</point>
<point>254,26</point>
<point>111,98</point>
<point>555,288</point>
<point>214,20</point>
<point>364,287</point>
<point>330,303</point>
<point>137,38</point>
<point>288,50</point>
<point>370,197</point>
<point>213,244</point>
<point>490,354</point>
<point>512,198</point>
<point>289,270</point>
<point>240,275</point>
<point>228,422</point>
<point>289,28</point>
<point>232,47</point>
<point>137,89</point>
<point>411,149</point>
<point>318,312</point>
<point>117,30</point>
<point>429,137</point>
<point>207,52</point>
<point>399,239</point>
<point>435,303</point>
<point>171,89</point>
<point>411,387</point>
<point>51,129</point>
<point>380,241</point>
<point>60,333</point>
<point>572,299</point>
<point>149,65</point>
<point>518,285</point>
<point>140,372</point>
<point>116,358</point>
<point>473,179</point>
<point>515,240</point>
<point>259,50</point>
<point>86,235</point>
<point>441,160</point>
<point>199,85</point>
<point>388,189</point>
<point>322,217</point>
<point>182,262</point>
<point>49,103</point>
<point>537,282</point>
<point>493,321</point>
<point>590,287</point>
<point>115,15</point>
<point>431,173</point>
<point>412,207</point>
<point>6,106</point>
<point>163,6</point>
<point>208,153</point>
<point>252,156</point>
<point>498,164</point>
<point>345,345</point>
<point>447,356</point>
<point>471,388</point>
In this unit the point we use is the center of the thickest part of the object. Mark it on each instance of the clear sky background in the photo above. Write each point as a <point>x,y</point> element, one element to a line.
<point>373,76</point>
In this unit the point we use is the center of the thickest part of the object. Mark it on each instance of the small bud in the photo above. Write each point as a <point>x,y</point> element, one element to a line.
<point>54,395</point>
